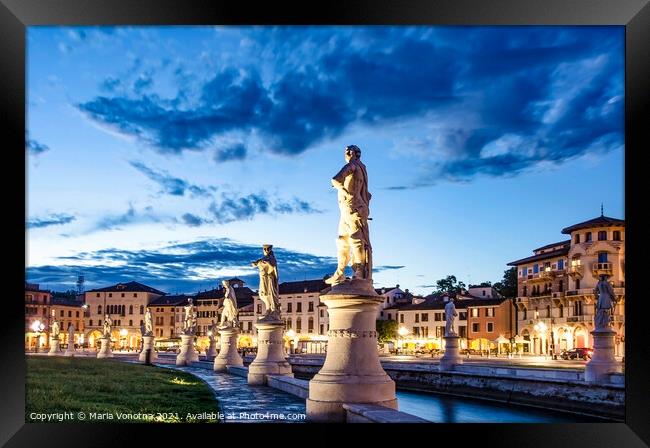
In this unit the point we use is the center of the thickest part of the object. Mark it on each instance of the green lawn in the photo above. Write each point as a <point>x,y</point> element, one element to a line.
<point>101,387</point>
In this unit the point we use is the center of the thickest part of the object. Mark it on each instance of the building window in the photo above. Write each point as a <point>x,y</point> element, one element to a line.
<point>577,308</point>
<point>289,307</point>
<point>602,257</point>
<point>560,264</point>
<point>524,272</point>
<point>462,315</point>
<point>535,268</point>
<point>578,283</point>
<point>77,314</point>
<point>69,313</point>
<point>489,312</point>
<point>490,327</point>
<point>425,317</point>
<point>130,323</point>
<point>321,313</point>
<point>135,294</point>
<point>390,316</point>
<point>299,307</point>
<point>122,294</point>
<point>577,241</point>
<point>130,309</point>
<point>525,313</point>
<point>602,235</point>
<point>250,326</point>
<point>289,324</point>
<point>310,325</point>
<point>110,294</point>
<point>322,329</point>
<point>417,317</point>
<point>561,309</point>
<point>474,312</point>
<point>617,235</point>
<point>548,311</point>
<point>311,307</point>
<point>561,286</point>
<point>90,323</point>
<point>97,295</point>
<point>298,325</point>
<point>587,237</point>
<point>259,308</point>
<point>475,327</point>
<point>439,332</point>
<point>401,318</point>
<point>61,313</point>
<point>462,332</point>
<point>525,292</point>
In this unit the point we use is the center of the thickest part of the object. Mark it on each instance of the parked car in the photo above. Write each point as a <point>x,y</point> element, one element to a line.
<point>577,353</point>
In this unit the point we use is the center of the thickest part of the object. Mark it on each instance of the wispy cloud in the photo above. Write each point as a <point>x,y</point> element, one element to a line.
<point>171,185</point>
<point>56,219</point>
<point>35,147</point>
<point>121,220</point>
<point>234,207</point>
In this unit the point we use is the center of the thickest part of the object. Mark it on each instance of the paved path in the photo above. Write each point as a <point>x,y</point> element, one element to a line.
<point>242,403</point>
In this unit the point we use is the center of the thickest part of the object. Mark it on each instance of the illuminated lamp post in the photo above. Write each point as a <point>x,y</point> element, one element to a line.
<point>38,327</point>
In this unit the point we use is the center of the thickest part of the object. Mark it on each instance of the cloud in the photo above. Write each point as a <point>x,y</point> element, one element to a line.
<point>119,221</point>
<point>489,101</point>
<point>193,220</point>
<point>35,147</point>
<point>53,220</point>
<point>234,207</point>
<point>179,267</point>
<point>171,185</point>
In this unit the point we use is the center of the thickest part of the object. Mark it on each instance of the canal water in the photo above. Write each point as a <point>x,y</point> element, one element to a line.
<point>239,400</point>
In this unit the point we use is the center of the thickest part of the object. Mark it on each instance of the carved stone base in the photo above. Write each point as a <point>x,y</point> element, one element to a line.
<point>55,347</point>
<point>105,349</point>
<point>212,349</point>
<point>602,362</point>
<point>187,354</point>
<point>271,358</point>
<point>147,344</point>
<point>228,355</point>
<point>70,350</point>
<point>351,372</point>
<point>451,356</point>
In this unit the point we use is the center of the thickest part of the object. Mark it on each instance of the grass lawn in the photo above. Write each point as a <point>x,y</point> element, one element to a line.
<point>102,387</point>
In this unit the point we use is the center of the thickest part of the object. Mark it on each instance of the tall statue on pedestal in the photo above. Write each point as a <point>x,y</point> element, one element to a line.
<point>269,290</point>
<point>605,301</point>
<point>354,203</point>
<point>229,312</point>
<point>450,317</point>
<point>55,328</point>
<point>107,326</point>
<point>148,323</point>
<point>189,321</point>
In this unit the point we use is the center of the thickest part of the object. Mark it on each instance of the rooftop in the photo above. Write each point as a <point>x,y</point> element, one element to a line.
<point>304,286</point>
<point>128,287</point>
<point>170,300</point>
<point>601,221</point>
<point>543,256</point>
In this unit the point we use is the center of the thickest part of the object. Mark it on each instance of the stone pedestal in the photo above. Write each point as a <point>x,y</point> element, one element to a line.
<point>147,344</point>
<point>602,362</point>
<point>188,354</point>
<point>228,355</point>
<point>351,372</point>
<point>55,347</point>
<point>105,349</point>
<point>70,350</point>
<point>212,349</point>
<point>271,358</point>
<point>451,356</point>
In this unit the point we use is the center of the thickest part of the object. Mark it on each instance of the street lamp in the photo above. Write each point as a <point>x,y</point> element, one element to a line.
<point>402,331</point>
<point>38,327</point>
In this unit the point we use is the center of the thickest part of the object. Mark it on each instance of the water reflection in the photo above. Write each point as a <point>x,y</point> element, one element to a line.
<point>451,409</point>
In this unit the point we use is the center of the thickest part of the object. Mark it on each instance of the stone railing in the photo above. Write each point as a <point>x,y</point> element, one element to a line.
<point>370,413</point>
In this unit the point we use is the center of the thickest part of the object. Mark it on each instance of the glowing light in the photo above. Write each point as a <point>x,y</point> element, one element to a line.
<point>124,332</point>
<point>290,333</point>
<point>37,326</point>
<point>402,331</point>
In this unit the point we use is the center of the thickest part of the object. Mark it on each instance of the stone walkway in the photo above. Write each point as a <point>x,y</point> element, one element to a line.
<point>242,403</point>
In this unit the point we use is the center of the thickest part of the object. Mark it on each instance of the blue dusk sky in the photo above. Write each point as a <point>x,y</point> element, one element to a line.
<point>169,155</point>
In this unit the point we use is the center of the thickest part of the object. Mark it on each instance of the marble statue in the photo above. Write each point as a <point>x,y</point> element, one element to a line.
<point>450,317</point>
<point>229,312</point>
<point>55,328</point>
<point>148,323</point>
<point>107,326</point>
<point>354,204</point>
<point>189,321</point>
<point>269,291</point>
<point>605,301</point>
<point>211,331</point>
<point>71,334</point>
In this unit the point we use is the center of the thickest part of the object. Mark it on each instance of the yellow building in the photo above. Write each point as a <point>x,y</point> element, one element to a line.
<point>555,299</point>
<point>125,303</point>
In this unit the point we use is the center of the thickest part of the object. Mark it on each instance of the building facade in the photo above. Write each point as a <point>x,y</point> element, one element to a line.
<point>39,308</point>
<point>125,303</point>
<point>555,300</point>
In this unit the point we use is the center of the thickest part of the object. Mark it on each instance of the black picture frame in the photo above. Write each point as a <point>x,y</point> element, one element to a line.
<point>16,15</point>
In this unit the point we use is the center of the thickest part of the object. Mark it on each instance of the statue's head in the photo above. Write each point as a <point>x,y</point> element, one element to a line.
<point>352,152</point>
<point>225,283</point>
<point>106,316</point>
<point>603,277</point>
<point>267,248</point>
<point>189,301</point>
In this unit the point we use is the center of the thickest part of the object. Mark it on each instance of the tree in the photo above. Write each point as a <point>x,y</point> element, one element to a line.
<point>449,285</point>
<point>386,330</point>
<point>482,285</point>
<point>507,287</point>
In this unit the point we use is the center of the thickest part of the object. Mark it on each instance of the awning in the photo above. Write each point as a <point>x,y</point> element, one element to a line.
<point>502,340</point>
<point>521,340</point>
